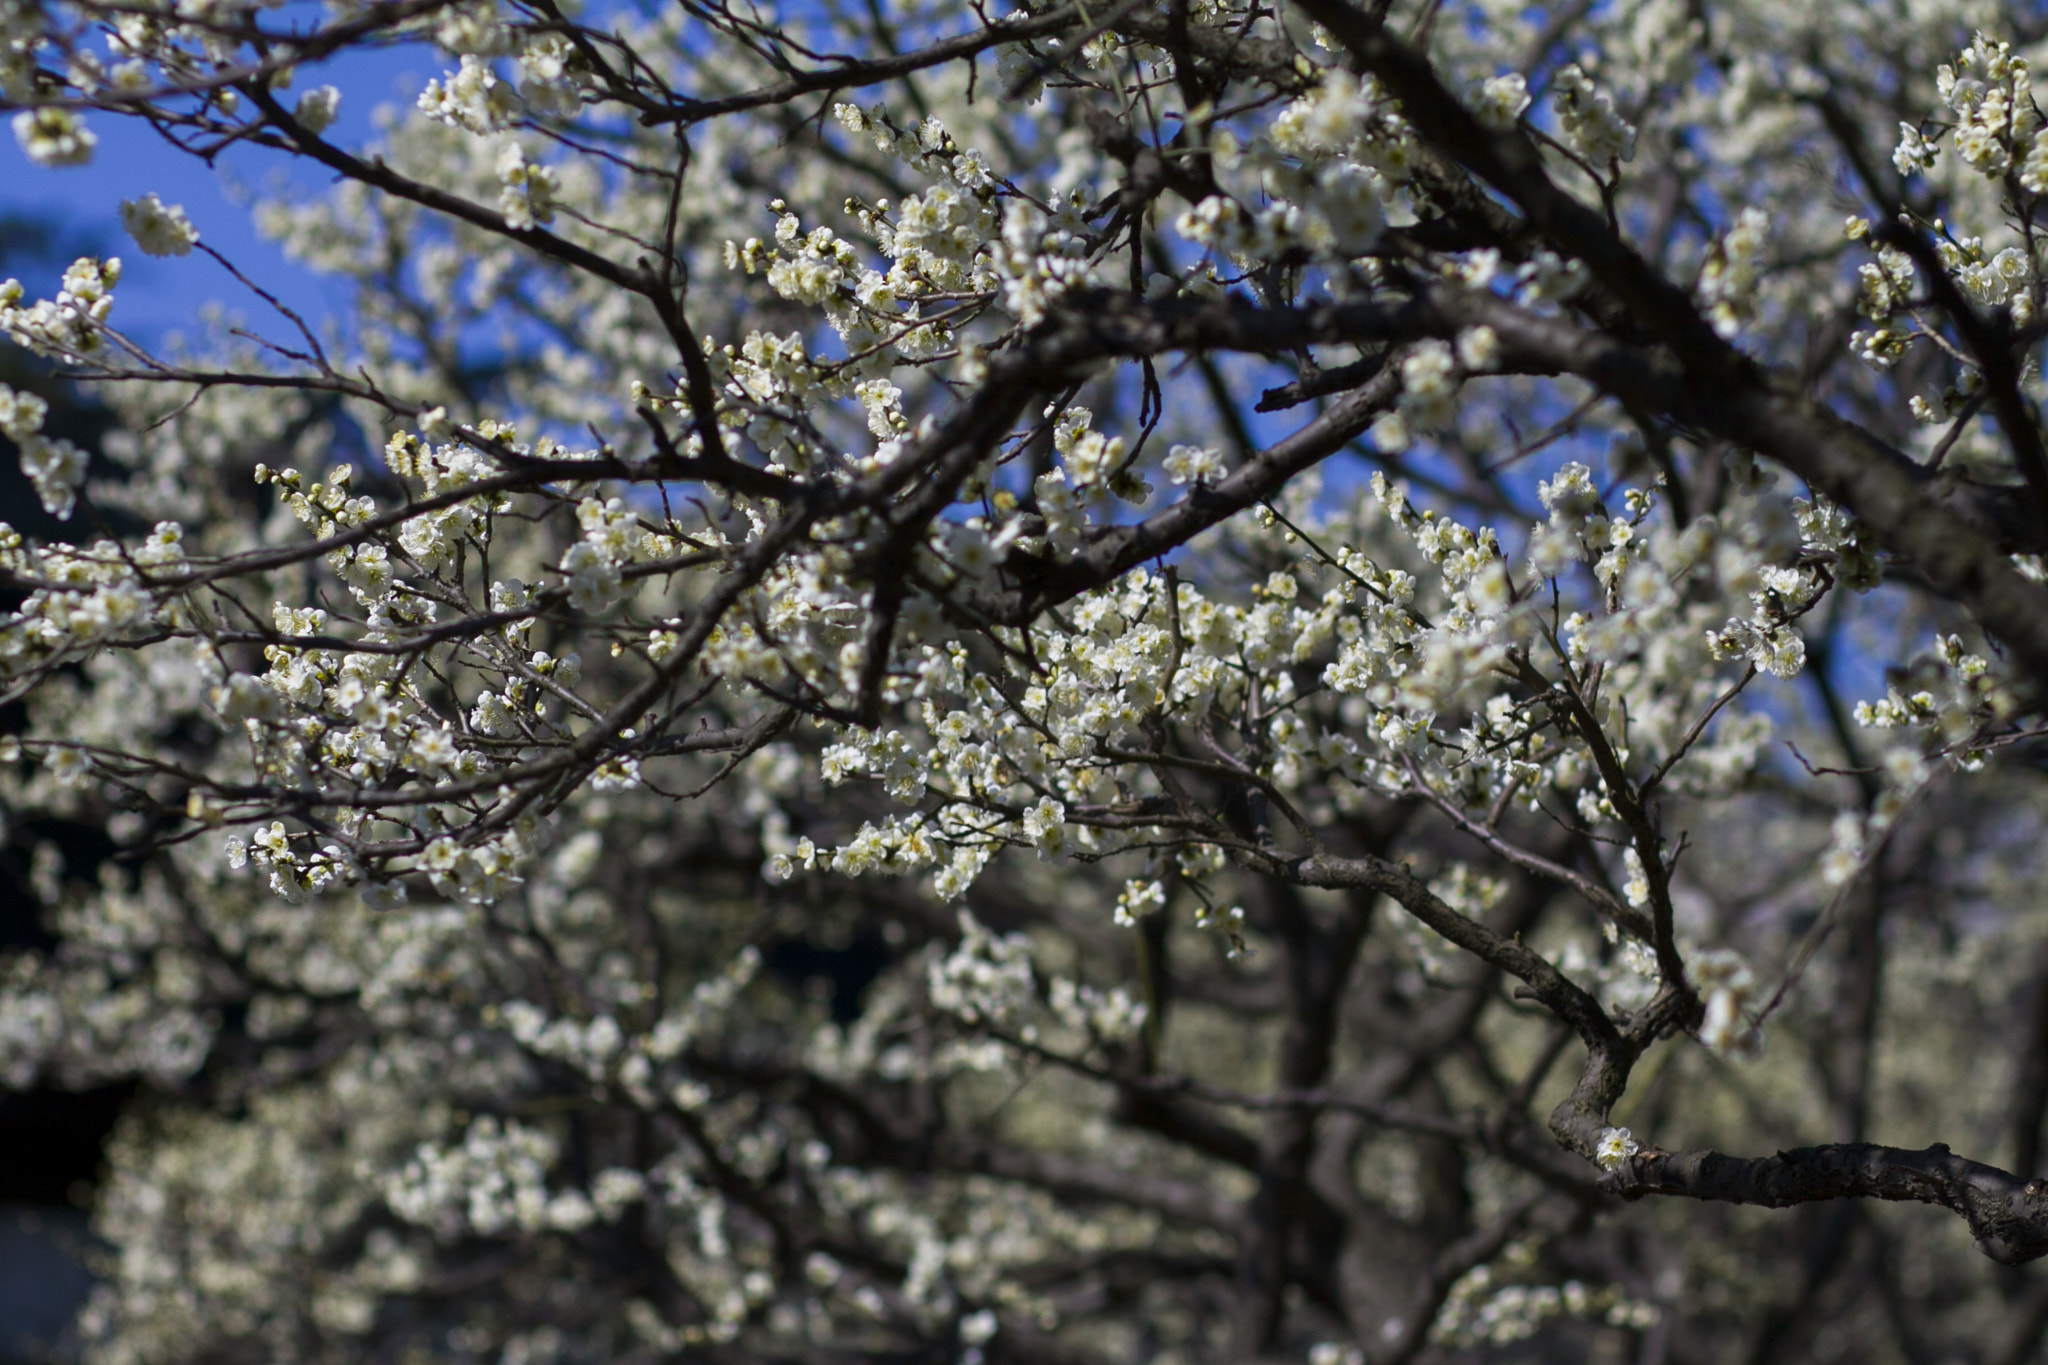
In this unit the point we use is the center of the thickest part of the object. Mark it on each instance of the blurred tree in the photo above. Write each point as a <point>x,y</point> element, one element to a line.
<point>1132,682</point>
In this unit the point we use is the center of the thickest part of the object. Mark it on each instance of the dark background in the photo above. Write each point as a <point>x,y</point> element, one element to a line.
<point>50,1140</point>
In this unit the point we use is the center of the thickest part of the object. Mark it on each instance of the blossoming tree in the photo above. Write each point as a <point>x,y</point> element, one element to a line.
<point>1411,632</point>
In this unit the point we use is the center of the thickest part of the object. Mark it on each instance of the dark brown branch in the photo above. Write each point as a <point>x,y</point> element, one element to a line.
<point>1562,996</point>
<point>726,739</point>
<point>854,75</point>
<point>2007,1215</point>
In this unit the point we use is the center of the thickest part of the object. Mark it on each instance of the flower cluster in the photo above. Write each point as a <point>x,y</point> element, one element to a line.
<point>1482,1311</point>
<point>54,465</point>
<point>859,706</point>
<point>1587,117</point>
<point>158,229</point>
<point>73,323</point>
<point>54,137</point>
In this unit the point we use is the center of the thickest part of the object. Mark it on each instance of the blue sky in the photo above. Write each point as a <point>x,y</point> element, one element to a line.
<point>163,295</point>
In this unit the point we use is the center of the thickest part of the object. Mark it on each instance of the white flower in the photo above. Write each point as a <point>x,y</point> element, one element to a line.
<point>54,137</point>
<point>508,594</point>
<point>1499,102</point>
<point>492,715</point>
<point>1138,898</point>
<point>317,108</point>
<point>1637,888</point>
<point>977,1328</point>
<point>529,195</point>
<point>434,748</point>
<point>1722,1026</point>
<point>1389,433</point>
<point>21,414</point>
<point>1479,348</point>
<point>594,580</point>
<point>57,469</point>
<point>68,766</point>
<point>616,775</point>
<point>1429,387</point>
<point>158,229</point>
<point>1845,849</point>
<point>472,98</point>
<point>1587,118</point>
<point>1193,464</point>
<point>1727,983</point>
<point>1616,1146</point>
<point>1045,826</point>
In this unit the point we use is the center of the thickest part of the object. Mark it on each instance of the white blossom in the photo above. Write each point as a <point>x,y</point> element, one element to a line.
<point>158,229</point>
<point>54,137</point>
<point>317,108</point>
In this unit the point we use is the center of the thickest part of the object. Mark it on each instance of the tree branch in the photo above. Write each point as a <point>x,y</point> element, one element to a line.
<point>2007,1215</point>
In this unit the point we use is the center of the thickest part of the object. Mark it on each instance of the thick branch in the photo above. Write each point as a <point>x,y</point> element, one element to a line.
<point>1562,996</point>
<point>2008,1215</point>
